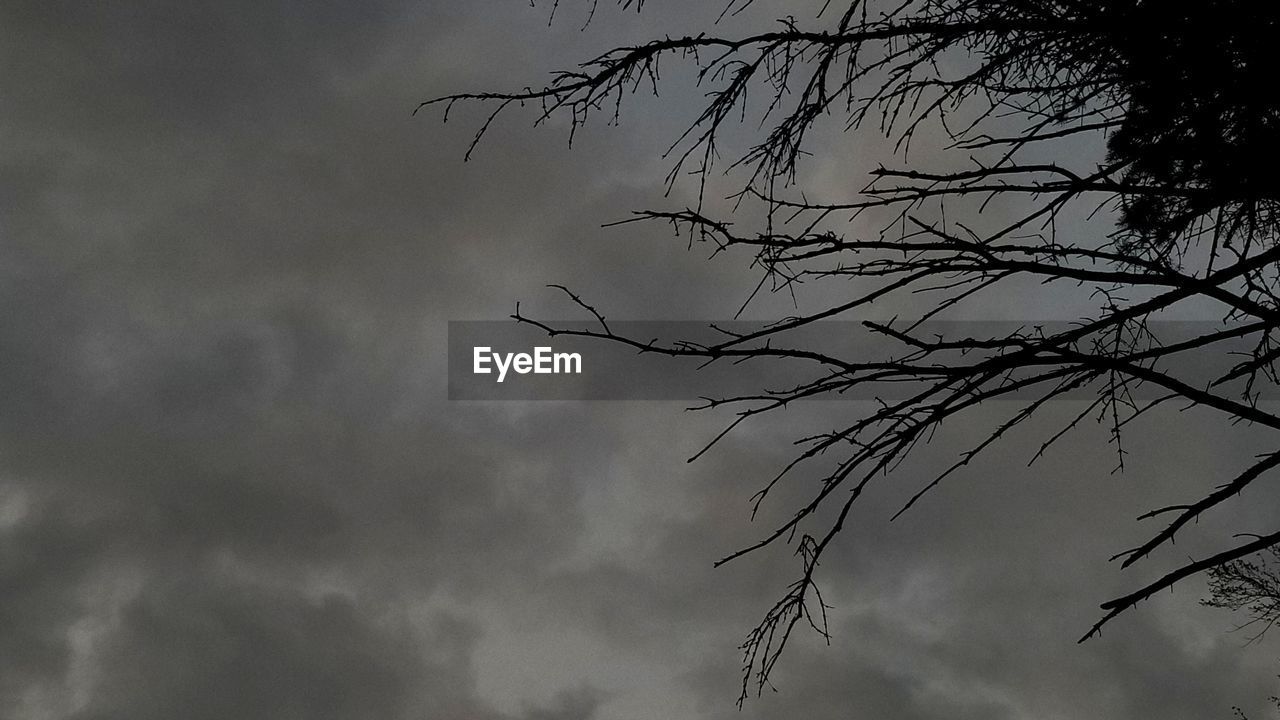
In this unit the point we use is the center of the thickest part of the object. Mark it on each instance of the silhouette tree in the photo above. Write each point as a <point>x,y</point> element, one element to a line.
<point>1009,95</point>
<point>1249,585</point>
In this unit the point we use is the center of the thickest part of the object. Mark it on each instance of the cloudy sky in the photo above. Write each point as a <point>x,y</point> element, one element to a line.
<point>231,484</point>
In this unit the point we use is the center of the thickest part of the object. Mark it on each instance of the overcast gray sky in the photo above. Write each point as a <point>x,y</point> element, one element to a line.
<point>231,485</point>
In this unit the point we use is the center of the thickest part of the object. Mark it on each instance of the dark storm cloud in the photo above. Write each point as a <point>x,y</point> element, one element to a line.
<point>185,384</point>
<point>263,442</point>
<point>231,485</point>
<point>213,652</point>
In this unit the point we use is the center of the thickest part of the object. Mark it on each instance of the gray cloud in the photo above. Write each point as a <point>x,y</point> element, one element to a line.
<point>230,485</point>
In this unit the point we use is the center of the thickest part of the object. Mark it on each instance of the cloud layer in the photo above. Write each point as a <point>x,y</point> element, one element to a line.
<point>231,485</point>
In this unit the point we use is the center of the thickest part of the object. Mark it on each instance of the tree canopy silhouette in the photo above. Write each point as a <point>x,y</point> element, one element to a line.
<point>1175,96</point>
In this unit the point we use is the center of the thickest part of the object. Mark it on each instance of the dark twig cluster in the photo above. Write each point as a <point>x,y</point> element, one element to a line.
<point>1252,585</point>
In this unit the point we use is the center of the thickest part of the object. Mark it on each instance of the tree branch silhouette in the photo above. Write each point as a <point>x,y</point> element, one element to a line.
<point>1172,94</point>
